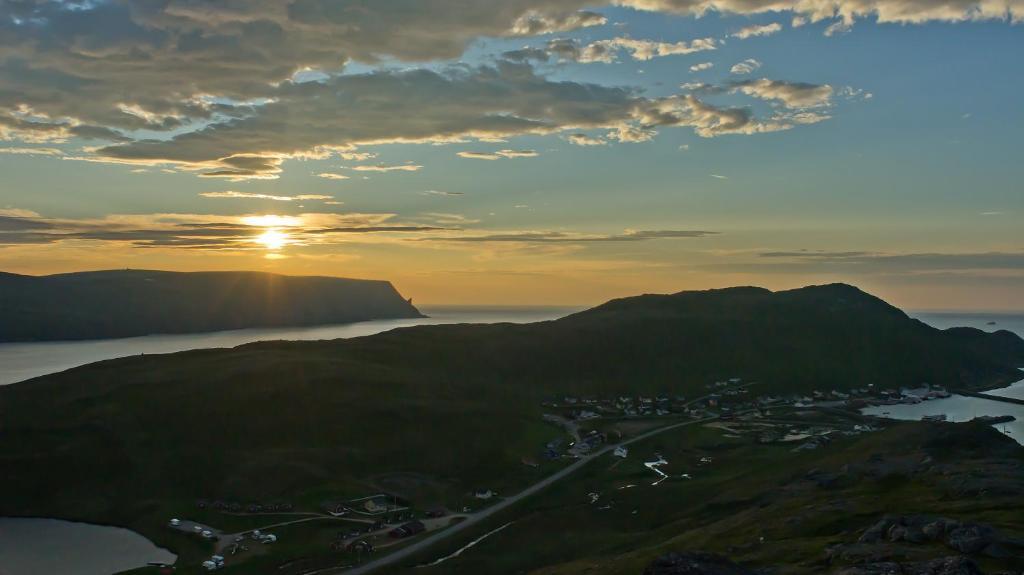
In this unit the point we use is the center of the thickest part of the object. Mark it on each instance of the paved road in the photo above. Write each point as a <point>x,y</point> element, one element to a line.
<point>483,515</point>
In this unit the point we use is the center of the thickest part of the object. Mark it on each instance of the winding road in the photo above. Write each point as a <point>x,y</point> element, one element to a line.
<point>483,515</point>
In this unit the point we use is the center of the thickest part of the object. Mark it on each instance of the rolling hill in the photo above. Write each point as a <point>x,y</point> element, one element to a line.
<point>125,303</point>
<point>454,406</point>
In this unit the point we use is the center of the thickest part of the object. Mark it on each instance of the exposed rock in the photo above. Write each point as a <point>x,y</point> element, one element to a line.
<point>971,538</point>
<point>877,531</point>
<point>967,538</point>
<point>942,566</point>
<point>695,564</point>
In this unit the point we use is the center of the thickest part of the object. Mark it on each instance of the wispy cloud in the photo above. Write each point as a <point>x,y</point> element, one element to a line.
<point>31,151</point>
<point>745,67</point>
<point>231,194</point>
<point>575,238</point>
<point>757,30</point>
<point>500,154</point>
<point>585,140</point>
<point>387,168</point>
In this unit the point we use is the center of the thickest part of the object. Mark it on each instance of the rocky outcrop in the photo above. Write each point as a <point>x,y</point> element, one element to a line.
<point>967,538</point>
<point>941,566</point>
<point>695,564</point>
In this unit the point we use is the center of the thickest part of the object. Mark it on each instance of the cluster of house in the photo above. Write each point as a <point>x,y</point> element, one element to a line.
<point>587,443</point>
<point>214,563</point>
<point>263,537</point>
<point>590,408</point>
<point>236,507</point>
<point>379,504</point>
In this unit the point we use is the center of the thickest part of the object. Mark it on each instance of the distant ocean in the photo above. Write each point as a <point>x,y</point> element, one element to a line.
<point>985,321</point>
<point>21,361</point>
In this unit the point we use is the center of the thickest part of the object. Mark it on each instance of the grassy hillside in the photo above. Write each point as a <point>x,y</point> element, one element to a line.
<point>454,408</point>
<point>122,303</point>
<point>763,506</point>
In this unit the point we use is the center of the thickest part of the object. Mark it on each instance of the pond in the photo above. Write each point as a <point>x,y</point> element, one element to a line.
<point>32,546</point>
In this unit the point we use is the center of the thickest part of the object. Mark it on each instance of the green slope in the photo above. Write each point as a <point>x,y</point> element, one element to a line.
<point>130,441</point>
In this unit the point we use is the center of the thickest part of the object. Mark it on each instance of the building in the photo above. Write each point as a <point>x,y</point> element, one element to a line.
<point>408,529</point>
<point>621,451</point>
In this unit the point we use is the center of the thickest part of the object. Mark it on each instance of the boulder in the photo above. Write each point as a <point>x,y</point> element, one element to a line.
<point>970,538</point>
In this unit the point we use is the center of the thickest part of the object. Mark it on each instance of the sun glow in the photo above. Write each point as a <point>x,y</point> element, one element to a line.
<point>272,221</point>
<point>273,239</point>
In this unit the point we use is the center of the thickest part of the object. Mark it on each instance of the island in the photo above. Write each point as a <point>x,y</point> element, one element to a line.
<point>126,303</point>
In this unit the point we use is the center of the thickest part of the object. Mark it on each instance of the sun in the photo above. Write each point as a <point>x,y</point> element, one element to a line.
<point>272,239</point>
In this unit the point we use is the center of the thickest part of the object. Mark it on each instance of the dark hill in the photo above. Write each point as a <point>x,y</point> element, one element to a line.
<point>459,404</point>
<point>123,303</point>
<point>820,337</point>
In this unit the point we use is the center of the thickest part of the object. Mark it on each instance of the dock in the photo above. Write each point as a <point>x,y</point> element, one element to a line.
<point>980,395</point>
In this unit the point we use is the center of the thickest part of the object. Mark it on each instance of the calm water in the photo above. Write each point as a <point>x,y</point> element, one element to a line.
<point>983,321</point>
<point>49,546</point>
<point>21,361</point>
<point>960,408</point>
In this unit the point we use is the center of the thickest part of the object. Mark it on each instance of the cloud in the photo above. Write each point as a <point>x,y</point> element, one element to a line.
<point>719,177</point>
<point>418,105</point>
<point>119,70</point>
<point>745,67</point>
<point>500,154</point>
<point>757,30</point>
<point>385,168</point>
<point>441,193</point>
<point>205,231</point>
<point>32,151</point>
<point>798,96</point>
<point>357,156</point>
<point>894,263</point>
<point>701,67</point>
<point>789,94</point>
<point>545,237</point>
<point>585,140</point>
<point>231,194</point>
<point>709,121</point>
<point>332,176</point>
<point>340,113</point>
<point>534,23</point>
<point>305,231</point>
<point>606,50</point>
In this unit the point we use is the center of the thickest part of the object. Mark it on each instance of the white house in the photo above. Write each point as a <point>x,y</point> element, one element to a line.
<point>621,451</point>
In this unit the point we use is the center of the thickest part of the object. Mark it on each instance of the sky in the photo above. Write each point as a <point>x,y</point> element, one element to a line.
<point>524,151</point>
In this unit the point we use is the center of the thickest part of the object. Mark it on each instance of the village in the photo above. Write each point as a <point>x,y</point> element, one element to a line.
<point>587,427</point>
<point>590,421</point>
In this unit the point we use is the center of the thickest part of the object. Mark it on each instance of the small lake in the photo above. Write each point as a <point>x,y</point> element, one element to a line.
<point>50,546</point>
<point>21,361</point>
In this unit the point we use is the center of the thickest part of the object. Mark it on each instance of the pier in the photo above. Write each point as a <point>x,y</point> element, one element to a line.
<point>980,395</point>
